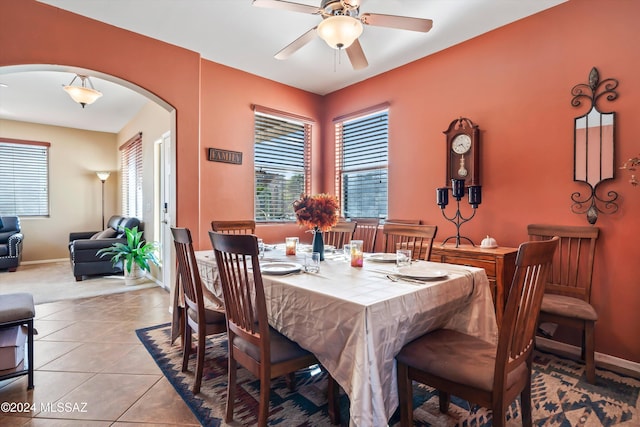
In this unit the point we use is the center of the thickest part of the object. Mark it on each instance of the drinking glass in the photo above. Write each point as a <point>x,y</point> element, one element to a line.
<point>403,257</point>
<point>347,251</point>
<point>291,244</point>
<point>312,262</point>
<point>356,253</point>
<point>260,248</point>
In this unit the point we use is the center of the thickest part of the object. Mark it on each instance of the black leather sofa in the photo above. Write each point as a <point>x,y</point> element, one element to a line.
<point>10,243</point>
<point>84,247</point>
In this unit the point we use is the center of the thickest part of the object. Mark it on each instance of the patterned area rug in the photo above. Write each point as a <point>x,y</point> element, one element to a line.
<point>561,395</point>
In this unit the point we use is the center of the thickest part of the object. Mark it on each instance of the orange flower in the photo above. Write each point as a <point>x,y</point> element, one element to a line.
<point>319,211</point>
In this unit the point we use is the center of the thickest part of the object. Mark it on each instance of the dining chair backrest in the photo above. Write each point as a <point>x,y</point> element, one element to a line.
<point>567,299</point>
<point>239,271</point>
<point>367,231</point>
<point>572,270</point>
<point>234,227</point>
<point>340,234</point>
<point>417,238</point>
<point>520,320</point>
<point>403,221</point>
<point>188,273</point>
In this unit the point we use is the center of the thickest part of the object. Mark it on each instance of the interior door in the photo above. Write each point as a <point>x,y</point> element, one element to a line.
<point>166,208</point>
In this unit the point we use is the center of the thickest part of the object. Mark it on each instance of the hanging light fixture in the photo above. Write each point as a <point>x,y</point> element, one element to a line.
<point>340,31</point>
<point>83,95</point>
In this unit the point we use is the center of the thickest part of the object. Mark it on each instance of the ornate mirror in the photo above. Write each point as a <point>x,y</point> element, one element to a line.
<point>594,135</point>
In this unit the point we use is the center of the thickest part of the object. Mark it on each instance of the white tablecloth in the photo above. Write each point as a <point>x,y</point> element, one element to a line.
<point>355,320</point>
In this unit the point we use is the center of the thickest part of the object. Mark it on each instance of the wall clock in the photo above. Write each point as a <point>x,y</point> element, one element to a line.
<point>463,152</point>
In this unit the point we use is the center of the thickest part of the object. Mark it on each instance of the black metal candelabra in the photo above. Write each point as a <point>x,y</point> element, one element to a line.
<point>457,191</point>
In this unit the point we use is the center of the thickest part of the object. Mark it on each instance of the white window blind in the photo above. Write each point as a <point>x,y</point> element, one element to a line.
<point>362,164</point>
<point>281,163</point>
<point>24,178</point>
<point>131,172</point>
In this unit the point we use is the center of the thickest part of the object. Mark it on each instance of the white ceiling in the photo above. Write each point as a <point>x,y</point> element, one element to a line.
<point>239,35</point>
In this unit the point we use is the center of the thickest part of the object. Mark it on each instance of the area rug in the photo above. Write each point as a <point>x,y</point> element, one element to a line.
<point>561,395</point>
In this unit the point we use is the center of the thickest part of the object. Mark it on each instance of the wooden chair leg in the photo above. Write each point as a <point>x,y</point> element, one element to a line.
<point>499,413</point>
<point>199,362</point>
<point>589,348</point>
<point>231,388</point>
<point>290,379</point>
<point>444,399</point>
<point>405,396</point>
<point>265,391</point>
<point>186,348</point>
<point>525,402</point>
<point>333,398</point>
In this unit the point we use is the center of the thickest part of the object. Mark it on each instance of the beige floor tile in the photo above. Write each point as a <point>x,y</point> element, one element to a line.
<point>160,404</point>
<point>104,397</point>
<point>14,421</point>
<point>86,331</point>
<point>46,327</point>
<point>136,361</point>
<point>47,351</point>
<point>48,422</point>
<point>88,357</point>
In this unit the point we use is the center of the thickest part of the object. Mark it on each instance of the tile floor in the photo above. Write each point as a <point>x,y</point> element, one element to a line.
<point>92,370</point>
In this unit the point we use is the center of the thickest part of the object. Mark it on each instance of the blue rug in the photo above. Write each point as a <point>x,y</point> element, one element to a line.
<point>561,395</point>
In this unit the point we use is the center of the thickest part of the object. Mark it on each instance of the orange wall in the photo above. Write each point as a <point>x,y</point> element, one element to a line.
<point>515,84</point>
<point>227,122</point>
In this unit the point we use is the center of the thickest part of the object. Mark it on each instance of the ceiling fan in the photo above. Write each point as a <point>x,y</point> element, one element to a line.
<point>342,25</point>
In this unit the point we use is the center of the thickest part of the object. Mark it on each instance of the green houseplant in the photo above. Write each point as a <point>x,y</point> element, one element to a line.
<point>136,253</point>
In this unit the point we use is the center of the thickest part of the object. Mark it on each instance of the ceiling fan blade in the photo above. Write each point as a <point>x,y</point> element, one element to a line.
<point>356,56</point>
<point>296,44</point>
<point>286,5</point>
<point>400,22</point>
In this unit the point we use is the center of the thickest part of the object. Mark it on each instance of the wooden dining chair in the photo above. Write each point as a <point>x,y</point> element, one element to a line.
<point>234,227</point>
<point>403,221</point>
<point>367,231</point>
<point>480,372</point>
<point>418,238</point>
<point>196,318</point>
<point>567,298</point>
<point>261,349</point>
<point>340,234</point>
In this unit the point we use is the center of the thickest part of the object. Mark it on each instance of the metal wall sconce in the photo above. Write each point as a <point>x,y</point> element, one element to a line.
<point>631,165</point>
<point>457,191</point>
<point>594,136</point>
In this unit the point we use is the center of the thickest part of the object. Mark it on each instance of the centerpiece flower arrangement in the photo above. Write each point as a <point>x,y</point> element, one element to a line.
<point>318,213</point>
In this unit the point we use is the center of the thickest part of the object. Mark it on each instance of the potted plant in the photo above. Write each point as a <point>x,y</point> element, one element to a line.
<point>136,255</point>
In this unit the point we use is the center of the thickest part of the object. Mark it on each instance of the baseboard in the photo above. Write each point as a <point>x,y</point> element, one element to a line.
<point>44,261</point>
<point>616,364</point>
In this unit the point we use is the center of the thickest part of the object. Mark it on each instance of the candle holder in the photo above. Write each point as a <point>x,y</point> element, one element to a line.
<point>458,191</point>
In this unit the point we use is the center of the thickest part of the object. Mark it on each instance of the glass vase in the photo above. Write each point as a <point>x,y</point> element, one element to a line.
<point>318,243</point>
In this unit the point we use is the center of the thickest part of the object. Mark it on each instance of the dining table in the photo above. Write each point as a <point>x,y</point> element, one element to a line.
<point>356,319</point>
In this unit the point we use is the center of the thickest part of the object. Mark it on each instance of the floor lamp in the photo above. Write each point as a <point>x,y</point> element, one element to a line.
<point>103,177</point>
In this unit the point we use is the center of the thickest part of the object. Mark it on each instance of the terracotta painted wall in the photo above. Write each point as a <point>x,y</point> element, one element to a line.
<point>515,83</point>
<point>227,123</point>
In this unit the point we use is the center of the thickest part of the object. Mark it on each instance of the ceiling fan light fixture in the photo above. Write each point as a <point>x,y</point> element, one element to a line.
<point>340,31</point>
<point>83,94</point>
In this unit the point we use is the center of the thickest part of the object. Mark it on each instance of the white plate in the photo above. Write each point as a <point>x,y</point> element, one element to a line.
<point>309,248</point>
<point>280,268</point>
<point>421,273</point>
<point>381,257</point>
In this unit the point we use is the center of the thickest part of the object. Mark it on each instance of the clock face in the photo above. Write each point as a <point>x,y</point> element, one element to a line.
<point>461,144</point>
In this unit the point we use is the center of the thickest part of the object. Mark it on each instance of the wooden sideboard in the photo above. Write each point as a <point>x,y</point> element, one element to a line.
<point>499,263</point>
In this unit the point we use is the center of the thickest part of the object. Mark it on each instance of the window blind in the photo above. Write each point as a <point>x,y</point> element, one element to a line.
<point>131,173</point>
<point>281,164</point>
<point>362,165</point>
<point>24,178</point>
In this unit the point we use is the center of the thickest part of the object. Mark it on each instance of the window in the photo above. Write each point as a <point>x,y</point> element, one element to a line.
<point>131,169</point>
<point>362,142</point>
<point>24,178</point>
<point>281,162</point>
